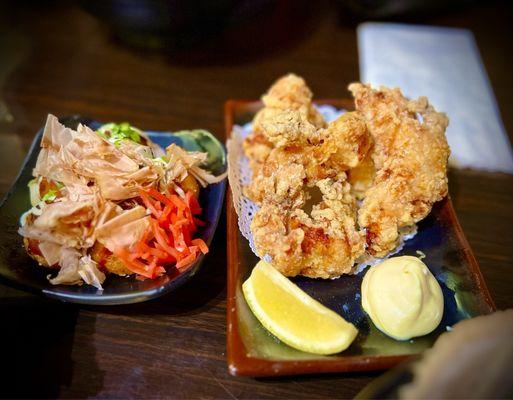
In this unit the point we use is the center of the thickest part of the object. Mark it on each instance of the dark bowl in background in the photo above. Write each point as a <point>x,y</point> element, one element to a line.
<point>174,23</point>
<point>207,32</point>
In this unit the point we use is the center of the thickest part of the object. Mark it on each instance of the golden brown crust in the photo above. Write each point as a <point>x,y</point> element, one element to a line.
<point>190,184</point>
<point>108,261</point>
<point>327,153</point>
<point>99,253</point>
<point>292,151</point>
<point>322,243</point>
<point>410,155</point>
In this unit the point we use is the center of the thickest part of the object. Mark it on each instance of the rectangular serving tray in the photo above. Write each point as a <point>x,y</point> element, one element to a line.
<point>252,351</point>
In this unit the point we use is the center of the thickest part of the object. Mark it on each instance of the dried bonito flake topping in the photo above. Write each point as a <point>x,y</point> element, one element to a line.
<point>90,212</point>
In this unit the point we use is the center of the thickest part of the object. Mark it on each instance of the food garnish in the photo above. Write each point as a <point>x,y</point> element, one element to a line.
<point>402,297</point>
<point>169,239</point>
<point>115,133</point>
<point>112,201</point>
<point>293,316</point>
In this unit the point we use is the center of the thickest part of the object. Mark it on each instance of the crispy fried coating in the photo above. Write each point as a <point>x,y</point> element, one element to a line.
<point>283,186</point>
<point>288,114</point>
<point>410,156</point>
<point>291,151</point>
<point>291,93</point>
<point>287,127</point>
<point>328,152</point>
<point>321,244</point>
<point>295,124</point>
<point>345,141</point>
<point>391,153</point>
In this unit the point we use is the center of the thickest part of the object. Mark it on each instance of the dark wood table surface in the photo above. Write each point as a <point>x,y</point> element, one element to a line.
<point>54,57</point>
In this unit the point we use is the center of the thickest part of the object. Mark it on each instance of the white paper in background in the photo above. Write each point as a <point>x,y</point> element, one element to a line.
<point>443,64</point>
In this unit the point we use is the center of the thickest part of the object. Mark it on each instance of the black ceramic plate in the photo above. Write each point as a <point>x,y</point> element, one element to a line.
<point>19,270</point>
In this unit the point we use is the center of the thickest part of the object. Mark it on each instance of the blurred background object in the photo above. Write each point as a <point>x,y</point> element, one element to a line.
<point>204,30</point>
<point>14,48</point>
<point>176,23</point>
<point>453,367</point>
<point>381,9</point>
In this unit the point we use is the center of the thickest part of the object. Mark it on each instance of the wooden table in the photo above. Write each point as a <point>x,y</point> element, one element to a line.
<point>57,58</point>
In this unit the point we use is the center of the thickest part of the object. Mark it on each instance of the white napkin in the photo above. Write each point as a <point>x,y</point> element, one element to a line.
<point>443,64</point>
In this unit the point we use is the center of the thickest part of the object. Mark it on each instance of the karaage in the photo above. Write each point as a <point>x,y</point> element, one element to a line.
<point>410,155</point>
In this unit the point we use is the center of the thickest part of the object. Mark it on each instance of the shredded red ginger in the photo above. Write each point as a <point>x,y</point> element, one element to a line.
<point>168,240</point>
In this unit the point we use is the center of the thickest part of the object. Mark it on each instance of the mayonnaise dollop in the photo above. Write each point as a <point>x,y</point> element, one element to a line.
<point>402,297</point>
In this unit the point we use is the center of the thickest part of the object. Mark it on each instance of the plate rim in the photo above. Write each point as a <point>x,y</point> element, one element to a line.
<point>112,299</point>
<point>239,363</point>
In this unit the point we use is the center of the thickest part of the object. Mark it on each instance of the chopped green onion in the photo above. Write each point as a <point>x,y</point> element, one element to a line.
<point>51,195</point>
<point>116,133</point>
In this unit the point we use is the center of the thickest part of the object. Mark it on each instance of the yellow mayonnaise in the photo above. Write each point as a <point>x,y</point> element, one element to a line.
<point>402,297</point>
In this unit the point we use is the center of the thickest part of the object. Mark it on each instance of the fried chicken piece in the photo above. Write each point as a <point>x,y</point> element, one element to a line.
<point>345,141</point>
<point>321,244</point>
<point>273,170</point>
<point>410,155</point>
<point>287,102</point>
<point>275,235</point>
<point>289,91</point>
<point>288,94</point>
<point>287,127</point>
<point>330,151</point>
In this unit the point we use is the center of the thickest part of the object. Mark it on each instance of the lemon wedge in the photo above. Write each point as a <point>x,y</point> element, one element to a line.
<point>293,316</point>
